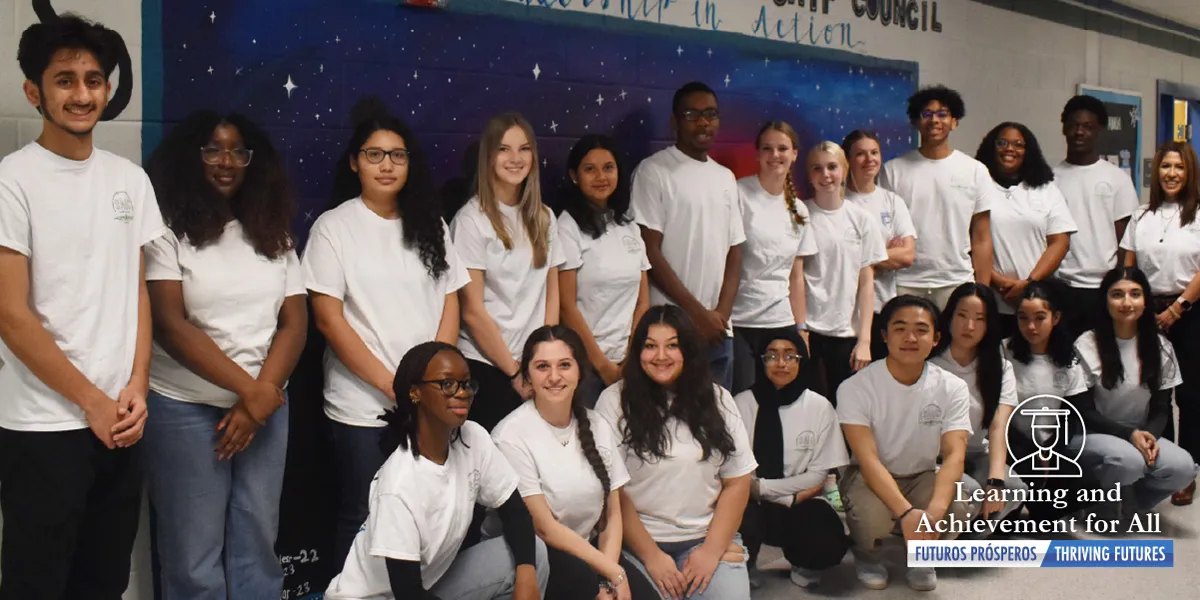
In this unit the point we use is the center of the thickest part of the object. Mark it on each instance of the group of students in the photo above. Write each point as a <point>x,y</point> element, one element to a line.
<point>492,436</point>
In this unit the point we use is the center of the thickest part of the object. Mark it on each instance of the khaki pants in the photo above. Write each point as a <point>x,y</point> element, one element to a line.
<point>938,295</point>
<point>870,520</point>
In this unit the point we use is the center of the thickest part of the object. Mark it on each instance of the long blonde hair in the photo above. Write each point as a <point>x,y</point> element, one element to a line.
<point>789,183</point>
<point>836,151</point>
<point>534,216</point>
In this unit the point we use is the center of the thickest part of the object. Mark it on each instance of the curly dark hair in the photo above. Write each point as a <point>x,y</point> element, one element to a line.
<point>41,41</point>
<point>417,202</point>
<point>401,428</point>
<point>1088,103</point>
<point>593,220</point>
<point>645,404</point>
<point>579,410</point>
<point>989,373</point>
<point>1149,347</point>
<point>1035,171</point>
<point>949,98</point>
<point>692,87</point>
<point>1061,348</point>
<point>194,210</point>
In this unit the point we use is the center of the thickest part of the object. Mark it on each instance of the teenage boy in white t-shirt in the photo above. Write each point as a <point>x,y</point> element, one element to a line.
<point>1101,198</point>
<point>949,197</point>
<point>75,325</point>
<point>687,207</point>
<point>898,415</point>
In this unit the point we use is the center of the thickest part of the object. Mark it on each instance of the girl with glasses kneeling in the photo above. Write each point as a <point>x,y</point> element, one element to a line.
<point>423,498</point>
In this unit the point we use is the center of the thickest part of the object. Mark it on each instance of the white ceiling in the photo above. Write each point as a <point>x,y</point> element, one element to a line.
<point>1186,12</point>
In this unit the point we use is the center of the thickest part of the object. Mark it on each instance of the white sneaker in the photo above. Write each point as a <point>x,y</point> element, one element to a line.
<point>805,578</point>
<point>922,579</point>
<point>872,575</point>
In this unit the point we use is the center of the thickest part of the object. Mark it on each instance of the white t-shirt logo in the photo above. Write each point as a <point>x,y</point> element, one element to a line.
<point>122,207</point>
<point>1104,189</point>
<point>1061,380</point>
<point>473,482</point>
<point>605,457</point>
<point>931,415</point>
<point>631,245</point>
<point>806,441</point>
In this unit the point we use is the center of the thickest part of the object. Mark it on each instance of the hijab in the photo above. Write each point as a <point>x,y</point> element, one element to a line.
<point>768,427</point>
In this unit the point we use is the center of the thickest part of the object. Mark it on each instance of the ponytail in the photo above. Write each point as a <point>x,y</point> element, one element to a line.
<point>587,441</point>
<point>791,197</point>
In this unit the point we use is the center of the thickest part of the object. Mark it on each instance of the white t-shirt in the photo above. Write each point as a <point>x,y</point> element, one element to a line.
<point>848,239</point>
<point>1008,394</point>
<point>608,277</point>
<point>82,224</point>
<point>1129,402</point>
<point>562,474</point>
<point>894,222</point>
<point>1039,377</point>
<point>231,293</point>
<point>1098,196</point>
<point>388,297</point>
<point>675,496</point>
<point>773,242</point>
<point>907,421</point>
<point>514,292</point>
<point>1022,217</point>
<point>1168,252</point>
<point>694,204</point>
<point>421,511</point>
<point>812,442</point>
<point>942,195</point>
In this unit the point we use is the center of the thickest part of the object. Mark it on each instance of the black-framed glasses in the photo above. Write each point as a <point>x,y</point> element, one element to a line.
<point>1002,143</point>
<point>399,156</point>
<point>711,114</point>
<point>212,155</point>
<point>451,387</point>
<point>940,114</point>
<point>787,359</point>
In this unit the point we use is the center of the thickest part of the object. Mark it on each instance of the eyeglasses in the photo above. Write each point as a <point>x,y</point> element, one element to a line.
<point>451,387</point>
<point>786,359</point>
<point>212,155</point>
<point>1002,143</point>
<point>711,114</point>
<point>375,156</point>
<point>941,114</point>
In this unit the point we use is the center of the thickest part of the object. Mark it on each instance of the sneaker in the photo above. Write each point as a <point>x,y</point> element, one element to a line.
<point>872,575</point>
<point>834,498</point>
<point>922,579</point>
<point>805,578</point>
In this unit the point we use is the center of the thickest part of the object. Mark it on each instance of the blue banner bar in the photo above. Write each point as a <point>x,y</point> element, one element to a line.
<point>1120,553</point>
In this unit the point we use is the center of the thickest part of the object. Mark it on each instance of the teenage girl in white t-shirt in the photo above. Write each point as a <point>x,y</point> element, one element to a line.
<point>439,468</point>
<point>771,295</point>
<point>1163,240</point>
<point>230,322</point>
<point>383,276</point>
<point>970,348</point>
<point>899,234</point>
<point>839,280</point>
<point>563,455</point>
<point>689,461</point>
<point>1031,223</point>
<point>508,241</point>
<point>603,288</point>
<point>1132,371</point>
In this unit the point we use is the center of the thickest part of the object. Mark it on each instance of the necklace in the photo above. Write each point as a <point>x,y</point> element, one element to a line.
<point>562,435</point>
<point>1166,220</point>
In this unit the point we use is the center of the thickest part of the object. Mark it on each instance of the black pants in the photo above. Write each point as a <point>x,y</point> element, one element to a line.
<point>878,338</point>
<point>496,397</point>
<point>571,577</point>
<point>747,346</point>
<point>811,533</point>
<point>71,510</point>
<point>833,355</point>
<point>1185,337</point>
<point>1085,309</point>
<point>357,457</point>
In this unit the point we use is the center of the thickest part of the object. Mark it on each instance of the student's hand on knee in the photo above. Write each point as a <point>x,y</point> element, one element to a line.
<point>734,554</point>
<point>239,427</point>
<point>700,565</point>
<point>1146,444</point>
<point>910,524</point>
<point>666,575</point>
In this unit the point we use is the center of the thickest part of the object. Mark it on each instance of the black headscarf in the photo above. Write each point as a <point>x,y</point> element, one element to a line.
<point>768,428</point>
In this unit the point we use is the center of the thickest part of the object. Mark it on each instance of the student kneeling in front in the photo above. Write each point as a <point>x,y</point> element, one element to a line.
<point>423,498</point>
<point>899,414</point>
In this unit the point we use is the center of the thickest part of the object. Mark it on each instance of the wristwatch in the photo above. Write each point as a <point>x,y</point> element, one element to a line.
<point>801,327</point>
<point>997,483</point>
<point>1183,304</point>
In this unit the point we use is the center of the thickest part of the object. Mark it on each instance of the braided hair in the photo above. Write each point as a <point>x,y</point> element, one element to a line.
<point>587,439</point>
<point>790,196</point>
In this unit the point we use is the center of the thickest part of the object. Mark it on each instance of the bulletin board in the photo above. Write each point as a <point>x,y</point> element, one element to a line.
<point>1121,142</point>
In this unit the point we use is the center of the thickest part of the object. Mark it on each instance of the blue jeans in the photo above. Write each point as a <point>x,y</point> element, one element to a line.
<point>720,363</point>
<point>1116,461</point>
<point>356,457</point>
<point>731,581</point>
<point>486,571</point>
<point>215,520</point>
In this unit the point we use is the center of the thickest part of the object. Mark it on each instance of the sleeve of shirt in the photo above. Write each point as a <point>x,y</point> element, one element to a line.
<point>456,277</point>
<point>557,257</point>
<point>1129,240</point>
<point>522,463</point>
<point>958,413</point>
<point>618,474</point>
<point>569,244</point>
<point>152,226</point>
<point>737,228</point>
<point>294,276</point>
<point>808,238</point>
<point>852,404</point>
<point>393,528</point>
<point>498,481</point>
<point>984,188</point>
<point>831,446</point>
<point>1077,381</point>
<point>1170,376</point>
<point>903,218</point>
<point>322,265</point>
<point>1125,200</point>
<point>469,240</point>
<point>646,198</point>
<point>1059,219</point>
<point>873,249</point>
<point>15,230</point>
<point>162,258</point>
<point>1089,358</point>
<point>642,245</point>
<point>741,462</point>
<point>1008,385</point>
